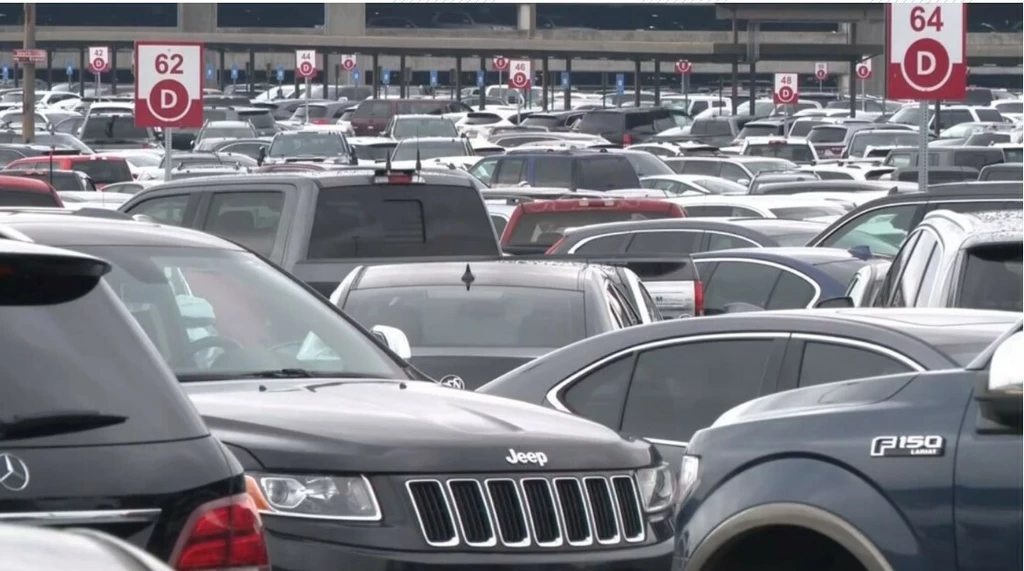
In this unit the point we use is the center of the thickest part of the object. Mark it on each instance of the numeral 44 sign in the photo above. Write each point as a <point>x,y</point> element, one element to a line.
<point>926,51</point>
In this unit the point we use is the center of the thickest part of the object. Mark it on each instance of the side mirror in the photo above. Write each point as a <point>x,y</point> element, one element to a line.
<point>261,156</point>
<point>394,338</point>
<point>835,302</point>
<point>1001,400</point>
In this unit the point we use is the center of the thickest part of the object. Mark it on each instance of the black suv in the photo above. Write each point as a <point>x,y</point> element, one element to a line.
<point>631,126</point>
<point>94,431</point>
<point>577,169</point>
<point>116,132</point>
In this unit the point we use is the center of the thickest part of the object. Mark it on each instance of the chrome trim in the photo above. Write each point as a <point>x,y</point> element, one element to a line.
<point>378,514</point>
<point>814,284</point>
<point>455,530</point>
<point>588,239</point>
<point>586,511</point>
<point>552,395</point>
<point>529,513</point>
<point>458,516</point>
<point>522,510</point>
<point>87,517</point>
<point>634,287</point>
<point>615,511</point>
<point>640,512</point>
<point>664,442</point>
<point>862,345</point>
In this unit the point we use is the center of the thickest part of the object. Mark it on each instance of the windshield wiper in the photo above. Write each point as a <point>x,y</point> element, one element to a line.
<point>288,373</point>
<point>55,422</point>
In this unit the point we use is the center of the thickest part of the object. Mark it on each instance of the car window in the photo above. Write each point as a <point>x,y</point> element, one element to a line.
<point>882,230</point>
<point>113,128</point>
<point>913,271</point>
<point>499,223</point>
<point>931,273</point>
<point>249,218</point>
<point>679,389</point>
<point>373,110</point>
<point>694,211</point>
<point>791,292</point>
<point>951,117</point>
<point>719,241</point>
<point>665,242</point>
<point>251,150</point>
<point>20,197</point>
<point>607,173</point>
<point>830,362</point>
<point>104,171</point>
<point>601,394</point>
<point>555,172</point>
<point>510,172</point>
<point>7,156</point>
<point>888,293</point>
<point>734,173</point>
<point>796,152</point>
<point>603,245</point>
<point>738,282</point>
<point>166,209</point>
<point>710,168</point>
<point>484,170</point>
<point>991,278</point>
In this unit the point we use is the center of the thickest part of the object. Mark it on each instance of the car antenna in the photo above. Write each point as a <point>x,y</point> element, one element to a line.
<point>53,149</point>
<point>468,278</point>
<point>419,164</point>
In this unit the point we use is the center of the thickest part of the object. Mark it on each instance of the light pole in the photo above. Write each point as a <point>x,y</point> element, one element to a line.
<point>28,96</point>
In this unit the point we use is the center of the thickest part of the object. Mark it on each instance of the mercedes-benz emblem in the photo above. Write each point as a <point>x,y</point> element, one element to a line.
<point>13,473</point>
<point>452,382</point>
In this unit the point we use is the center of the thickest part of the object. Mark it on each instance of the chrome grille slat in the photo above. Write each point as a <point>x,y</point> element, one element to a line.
<point>531,511</point>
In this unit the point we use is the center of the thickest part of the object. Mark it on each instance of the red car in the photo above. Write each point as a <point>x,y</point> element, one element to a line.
<point>534,227</point>
<point>102,169</point>
<point>21,191</point>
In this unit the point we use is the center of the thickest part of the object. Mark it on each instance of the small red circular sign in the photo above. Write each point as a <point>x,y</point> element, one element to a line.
<point>821,74</point>
<point>500,63</point>
<point>786,94</point>
<point>306,69</point>
<point>98,64</point>
<point>169,101</point>
<point>863,71</point>
<point>348,64</point>
<point>519,80</point>
<point>683,66</point>
<point>926,65</point>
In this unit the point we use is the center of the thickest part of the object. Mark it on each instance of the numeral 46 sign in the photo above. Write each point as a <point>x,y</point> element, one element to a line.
<point>926,51</point>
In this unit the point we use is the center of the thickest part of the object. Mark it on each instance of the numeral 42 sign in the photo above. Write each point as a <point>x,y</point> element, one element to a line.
<point>926,51</point>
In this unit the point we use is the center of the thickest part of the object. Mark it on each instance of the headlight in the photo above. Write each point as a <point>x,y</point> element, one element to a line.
<point>319,497</point>
<point>657,487</point>
<point>688,472</point>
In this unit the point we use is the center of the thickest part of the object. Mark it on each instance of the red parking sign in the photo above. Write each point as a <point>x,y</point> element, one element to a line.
<point>926,51</point>
<point>168,84</point>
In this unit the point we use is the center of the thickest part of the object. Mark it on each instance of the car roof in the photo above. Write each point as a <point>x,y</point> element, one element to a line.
<point>420,116</point>
<point>503,273</point>
<point>922,323</point>
<point>657,224</point>
<point>414,140</point>
<point>62,228</point>
<point>24,183</point>
<point>228,123</point>
<point>778,226</point>
<point>356,176</point>
<point>735,158</point>
<point>804,255</point>
<point>833,185</point>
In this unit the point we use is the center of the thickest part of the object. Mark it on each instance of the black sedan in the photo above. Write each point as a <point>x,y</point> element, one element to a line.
<point>479,320</point>
<point>668,380</point>
<point>40,549</point>
<point>679,236</point>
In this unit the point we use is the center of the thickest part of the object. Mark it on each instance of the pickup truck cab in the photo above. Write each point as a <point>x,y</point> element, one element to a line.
<point>903,472</point>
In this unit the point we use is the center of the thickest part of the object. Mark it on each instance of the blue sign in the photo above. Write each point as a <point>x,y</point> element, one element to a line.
<point>385,77</point>
<point>280,73</point>
<point>479,78</point>
<point>70,69</point>
<point>234,71</point>
<point>433,78</point>
<point>355,75</point>
<point>6,71</point>
<point>620,83</point>
<point>209,71</point>
<point>565,80</point>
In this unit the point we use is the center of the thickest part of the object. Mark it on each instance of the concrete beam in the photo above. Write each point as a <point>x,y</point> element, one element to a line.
<point>526,18</point>
<point>344,19</point>
<point>800,12</point>
<point>197,18</point>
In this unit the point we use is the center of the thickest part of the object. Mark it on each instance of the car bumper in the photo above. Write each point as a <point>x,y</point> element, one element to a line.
<point>291,553</point>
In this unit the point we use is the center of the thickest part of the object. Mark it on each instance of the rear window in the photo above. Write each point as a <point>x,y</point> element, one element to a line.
<point>597,122</point>
<point>992,278</point>
<point>545,228</point>
<point>58,180</point>
<point>394,220</point>
<point>712,127</point>
<point>406,151</point>
<point>104,171</point>
<point>751,130</point>
<point>827,135</point>
<point>425,128</point>
<point>373,110</point>
<point>607,173</point>
<point>14,197</point>
<point>421,108</point>
<point>262,119</point>
<point>1002,175</point>
<point>841,270</point>
<point>214,115</point>
<point>315,112</point>
<point>542,121</point>
<point>309,144</point>
<point>802,128</point>
<point>757,167</point>
<point>113,128</point>
<point>1013,154</point>
<point>373,152</point>
<point>481,119</point>
<point>483,316</point>
<point>798,153</point>
<point>988,114</point>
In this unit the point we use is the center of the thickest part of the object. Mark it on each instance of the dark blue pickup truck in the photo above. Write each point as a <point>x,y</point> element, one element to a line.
<point>915,472</point>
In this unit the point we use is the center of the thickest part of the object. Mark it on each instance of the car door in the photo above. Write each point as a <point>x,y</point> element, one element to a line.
<point>172,209</point>
<point>813,359</point>
<point>737,284</point>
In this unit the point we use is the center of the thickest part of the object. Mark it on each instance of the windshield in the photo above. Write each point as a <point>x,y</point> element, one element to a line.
<point>909,116</point>
<point>14,197</point>
<point>433,127</point>
<point>61,140</point>
<point>720,186</point>
<point>228,133</point>
<point>806,212</point>
<point>58,180</point>
<point>861,141</point>
<point>752,130</point>
<point>757,167</point>
<point>104,171</point>
<point>992,278</point>
<point>262,119</point>
<point>483,316</point>
<point>307,144</point>
<point>798,153</point>
<point>827,135</point>
<point>113,127</point>
<point>223,314</point>
<point>406,151</point>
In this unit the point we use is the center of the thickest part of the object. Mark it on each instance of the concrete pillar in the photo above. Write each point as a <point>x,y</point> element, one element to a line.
<point>343,19</point>
<point>197,18</point>
<point>865,32</point>
<point>527,18</point>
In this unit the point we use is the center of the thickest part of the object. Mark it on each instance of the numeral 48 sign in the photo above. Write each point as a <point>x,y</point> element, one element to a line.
<point>926,51</point>
<point>168,84</point>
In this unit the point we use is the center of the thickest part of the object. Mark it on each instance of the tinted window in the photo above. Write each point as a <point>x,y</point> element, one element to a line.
<point>951,117</point>
<point>842,270</point>
<point>802,128</point>
<point>166,209</point>
<point>805,212</point>
<point>597,122</point>
<point>989,114</point>
<point>977,159</point>
<point>882,230</point>
<point>421,108</point>
<point>791,292</point>
<point>751,130</point>
<point>645,164</point>
<point>545,228</point>
<point>1004,175</point>
<point>739,282</point>
<point>260,119</point>
<point>398,220</point>
<point>719,241</point>
<point>666,242</point>
<point>13,197</point>
<point>604,245</point>
<point>799,153</point>
<point>499,223</point>
<point>827,363</point>
<point>7,157</point>
<point>373,110</point>
<point>734,173</point>
<point>861,141</point>
<point>423,127</point>
<point>992,278</point>
<point>249,218</point>
<point>510,172</point>
<point>309,144</point>
<point>680,389</point>
<point>58,180</point>
<point>607,173</point>
<point>113,127</point>
<point>553,171</point>
<point>406,150</point>
<point>710,168</point>
<point>104,171</point>
<point>827,135</point>
<point>601,394</point>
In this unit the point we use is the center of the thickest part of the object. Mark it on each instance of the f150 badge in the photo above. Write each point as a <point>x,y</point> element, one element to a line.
<point>895,446</point>
<point>514,457</point>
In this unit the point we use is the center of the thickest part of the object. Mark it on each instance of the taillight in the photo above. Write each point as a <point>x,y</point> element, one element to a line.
<point>627,140</point>
<point>554,246</point>
<point>222,535</point>
<point>319,121</point>
<point>698,299</point>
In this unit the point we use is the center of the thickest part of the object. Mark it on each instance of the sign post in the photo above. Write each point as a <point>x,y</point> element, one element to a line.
<point>820,72</point>
<point>168,89</point>
<point>305,67</point>
<point>500,64</point>
<point>520,76</point>
<point>926,60</point>
<point>684,68</point>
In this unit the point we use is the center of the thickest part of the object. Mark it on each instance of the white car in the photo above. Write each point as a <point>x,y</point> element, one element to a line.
<point>692,185</point>
<point>1012,109</point>
<point>785,207</point>
<point>480,123</point>
<point>847,171</point>
<point>371,151</point>
<point>796,149</point>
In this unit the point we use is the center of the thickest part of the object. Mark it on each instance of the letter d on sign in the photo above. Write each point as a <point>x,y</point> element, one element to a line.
<point>168,99</point>
<point>922,68</point>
